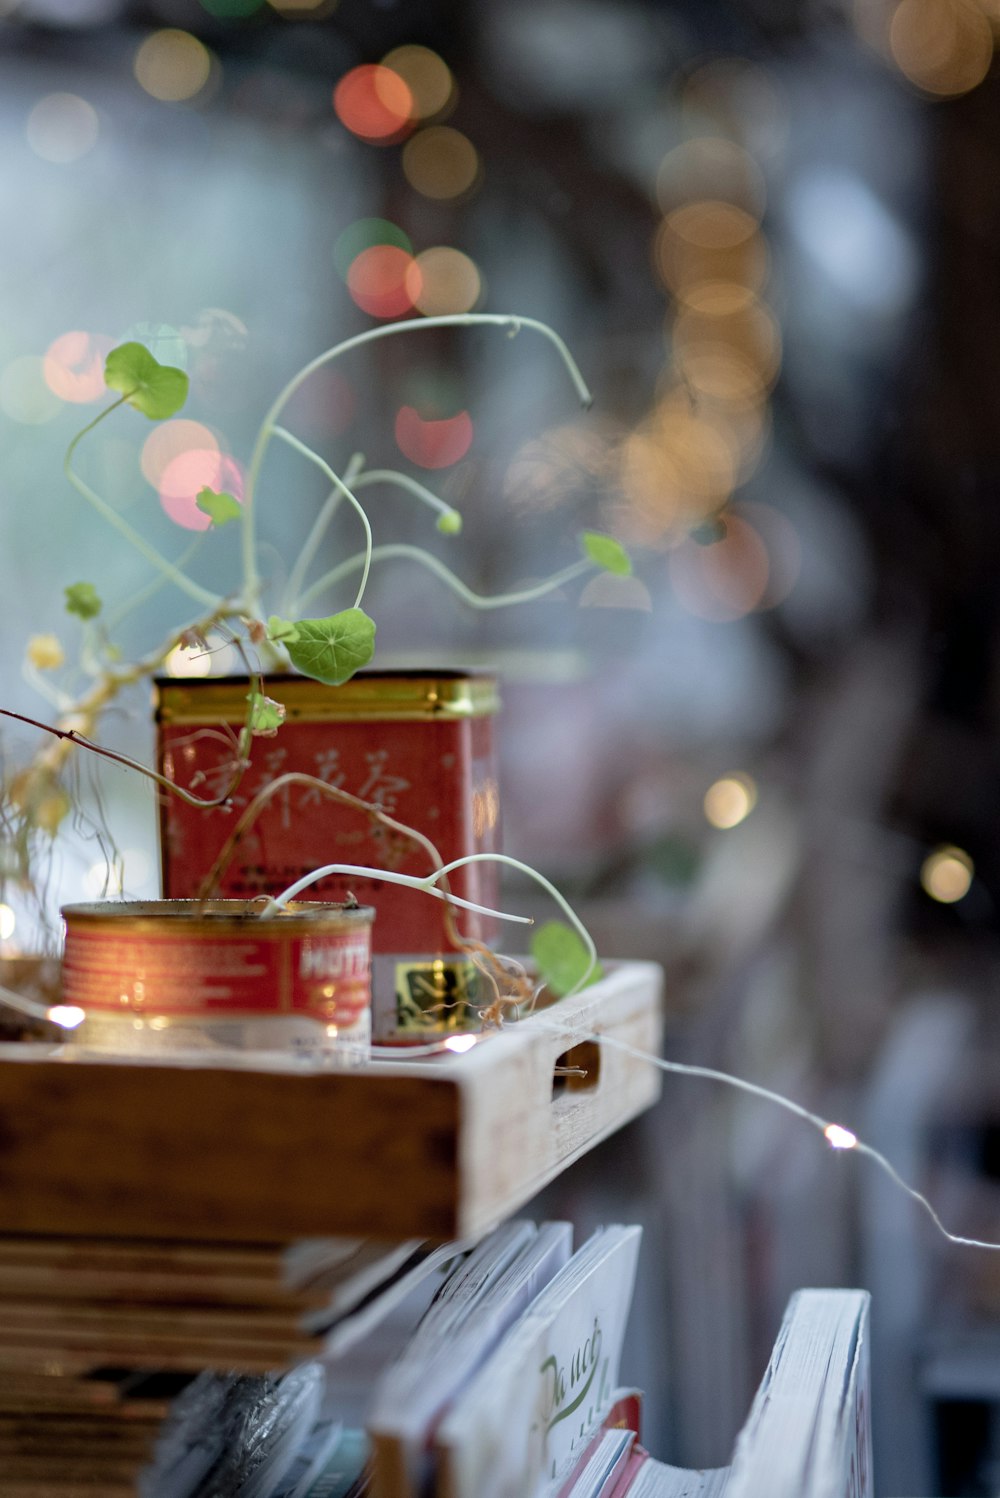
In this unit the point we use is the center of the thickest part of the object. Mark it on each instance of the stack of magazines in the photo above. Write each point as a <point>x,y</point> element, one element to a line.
<point>340,1369</point>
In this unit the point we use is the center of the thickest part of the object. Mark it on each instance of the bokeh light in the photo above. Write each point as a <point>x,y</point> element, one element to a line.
<point>784,549</point>
<point>730,800</point>
<point>172,65</point>
<point>381,279</point>
<point>433,444</point>
<point>188,660</point>
<point>102,879</point>
<point>442,280</point>
<point>740,100</point>
<point>184,477</point>
<point>840,1138</point>
<point>685,261</point>
<point>426,75</point>
<point>24,392</point>
<point>169,440</point>
<point>364,234</point>
<point>736,354</point>
<point>711,167</point>
<point>440,162</point>
<point>61,128</point>
<point>8,923</point>
<point>725,580</point>
<point>66,1016</point>
<point>73,366</point>
<point>562,463</point>
<point>374,103</point>
<point>947,874</point>
<point>945,47</point>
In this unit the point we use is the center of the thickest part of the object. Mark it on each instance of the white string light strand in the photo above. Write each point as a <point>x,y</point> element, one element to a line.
<point>836,1135</point>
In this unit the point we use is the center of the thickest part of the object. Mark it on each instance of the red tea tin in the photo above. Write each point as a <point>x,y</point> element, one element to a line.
<point>217,968</point>
<point>419,746</point>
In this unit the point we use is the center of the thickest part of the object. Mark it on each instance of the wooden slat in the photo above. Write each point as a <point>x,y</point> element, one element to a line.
<point>436,1149</point>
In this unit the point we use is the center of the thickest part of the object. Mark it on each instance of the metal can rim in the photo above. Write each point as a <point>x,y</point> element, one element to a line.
<point>369,696</point>
<point>218,915</point>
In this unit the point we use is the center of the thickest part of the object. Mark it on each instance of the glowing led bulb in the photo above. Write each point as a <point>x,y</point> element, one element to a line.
<point>946,874</point>
<point>839,1137</point>
<point>7,922</point>
<point>730,800</point>
<point>185,660</point>
<point>460,1043</point>
<point>67,1015</point>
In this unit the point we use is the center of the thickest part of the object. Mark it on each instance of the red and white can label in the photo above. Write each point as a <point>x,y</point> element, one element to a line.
<point>324,975</point>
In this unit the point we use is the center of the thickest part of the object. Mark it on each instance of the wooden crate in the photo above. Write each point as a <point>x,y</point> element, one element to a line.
<point>439,1148</point>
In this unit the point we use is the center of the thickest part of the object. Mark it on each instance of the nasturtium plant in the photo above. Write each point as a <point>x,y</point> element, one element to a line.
<point>330,650</point>
<point>607,553</point>
<point>83,599</point>
<point>157,390</point>
<point>281,631</point>
<point>265,716</point>
<point>219,507</point>
<point>561,957</point>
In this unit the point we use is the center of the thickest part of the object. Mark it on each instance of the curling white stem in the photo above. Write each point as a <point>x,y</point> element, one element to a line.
<point>425,559</point>
<point>341,487</point>
<point>549,887</point>
<point>410,881</point>
<point>319,527</point>
<point>513,325</point>
<point>170,572</point>
<point>404,481</point>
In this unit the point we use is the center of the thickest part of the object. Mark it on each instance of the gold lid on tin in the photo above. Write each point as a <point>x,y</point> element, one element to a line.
<point>371,696</point>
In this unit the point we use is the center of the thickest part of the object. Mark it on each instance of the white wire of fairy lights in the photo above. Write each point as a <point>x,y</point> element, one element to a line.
<point>837,1135</point>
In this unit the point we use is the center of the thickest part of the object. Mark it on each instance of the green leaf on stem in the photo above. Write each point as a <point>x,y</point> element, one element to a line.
<point>607,553</point>
<point>281,631</point>
<point>561,957</point>
<point>82,599</point>
<point>220,508</point>
<point>266,716</point>
<point>332,649</point>
<point>157,390</point>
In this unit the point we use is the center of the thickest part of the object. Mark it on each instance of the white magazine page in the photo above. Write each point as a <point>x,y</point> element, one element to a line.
<point>530,1411</point>
<point>413,1393</point>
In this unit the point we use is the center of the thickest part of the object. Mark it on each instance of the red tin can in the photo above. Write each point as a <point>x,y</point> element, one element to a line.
<point>419,746</point>
<point>213,972</point>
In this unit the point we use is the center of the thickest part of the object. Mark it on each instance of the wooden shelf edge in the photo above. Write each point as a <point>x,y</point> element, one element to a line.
<point>399,1149</point>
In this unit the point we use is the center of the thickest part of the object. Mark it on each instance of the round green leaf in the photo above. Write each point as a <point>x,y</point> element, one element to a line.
<point>607,553</point>
<point>332,649</point>
<point>561,957</point>
<point>220,508</point>
<point>157,390</point>
<point>82,599</point>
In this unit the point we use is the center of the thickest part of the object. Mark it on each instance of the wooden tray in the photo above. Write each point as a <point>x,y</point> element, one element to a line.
<point>440,1148</point>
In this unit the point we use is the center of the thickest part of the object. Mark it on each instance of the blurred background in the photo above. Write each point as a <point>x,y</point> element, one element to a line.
<point>769,232</point>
